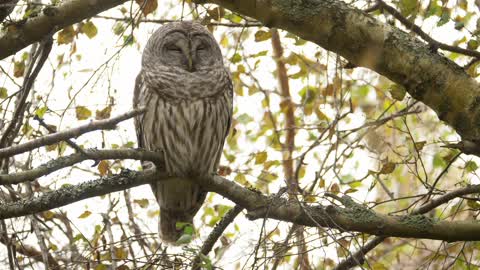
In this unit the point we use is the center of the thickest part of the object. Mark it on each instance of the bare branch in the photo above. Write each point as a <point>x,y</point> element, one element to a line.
<point>89,154</point>
<point>67,134</point>
<point>216,233</point>
<point>160,21</point>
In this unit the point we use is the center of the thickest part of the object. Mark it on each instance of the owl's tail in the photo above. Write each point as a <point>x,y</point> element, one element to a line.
<point>170,224</point>
<point>179,200</point>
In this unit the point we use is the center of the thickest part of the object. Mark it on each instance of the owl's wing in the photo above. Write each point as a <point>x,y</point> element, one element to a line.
<point>229,90</point>
<point>138,120</point>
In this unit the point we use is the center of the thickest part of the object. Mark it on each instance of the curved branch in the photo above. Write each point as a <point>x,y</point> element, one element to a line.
<point>366,42</point>
<point>52,20</point>
<point>67,134</point>
<point>89,154</point>
<point>352,217</point>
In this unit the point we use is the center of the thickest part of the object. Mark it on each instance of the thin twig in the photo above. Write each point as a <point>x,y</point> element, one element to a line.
<point>216,233</point>
<point>69,133</point>
<point>416,29</point>
<point>246,24</point>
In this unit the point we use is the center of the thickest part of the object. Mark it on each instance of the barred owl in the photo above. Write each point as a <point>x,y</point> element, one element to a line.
<point>187,91</point>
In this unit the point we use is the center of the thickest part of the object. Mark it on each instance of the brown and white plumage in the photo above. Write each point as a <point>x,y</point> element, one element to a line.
<point>188,95</point>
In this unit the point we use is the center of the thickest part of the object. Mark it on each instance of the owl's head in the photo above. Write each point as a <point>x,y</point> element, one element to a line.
<point>187,45</point>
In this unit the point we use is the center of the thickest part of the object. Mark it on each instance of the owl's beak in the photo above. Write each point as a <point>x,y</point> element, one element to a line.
<point>188,54</point>
<point>190,62</point>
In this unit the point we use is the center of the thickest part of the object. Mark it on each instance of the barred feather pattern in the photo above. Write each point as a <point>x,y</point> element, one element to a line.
<point>188,117</point>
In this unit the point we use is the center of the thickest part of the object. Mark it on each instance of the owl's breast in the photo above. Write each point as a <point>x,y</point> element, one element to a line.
<point>190,132</point>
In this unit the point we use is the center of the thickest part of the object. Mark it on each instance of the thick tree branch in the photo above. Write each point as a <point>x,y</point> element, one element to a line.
<point>364,41</point>
<point>69,133</point>
<point>74,193</point>
<point>352,217</point>
<point>52,20</point>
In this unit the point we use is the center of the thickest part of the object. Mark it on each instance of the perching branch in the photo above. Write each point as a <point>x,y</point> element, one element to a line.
<point>69,133</point>
<point>74,193</point>
<point>351,217</point>
<point>89,154</point>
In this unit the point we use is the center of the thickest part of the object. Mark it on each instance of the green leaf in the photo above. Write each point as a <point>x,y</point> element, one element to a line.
<point>472,44</point>
<point>89,29</point>
<point>471,166</point>
<point>184,239</point>
<point>408,7</point>
<point>236,58</point>
<point>444,18</point>
<point>82,112</point>
<point>118,28</point>
<point>397,91</point>
<point>40,112</point>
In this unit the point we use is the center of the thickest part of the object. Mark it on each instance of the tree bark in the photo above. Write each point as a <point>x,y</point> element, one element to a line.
<point>52,20</point>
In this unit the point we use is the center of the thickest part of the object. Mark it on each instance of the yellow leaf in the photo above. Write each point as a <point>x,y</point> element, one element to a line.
<point>101,267</point>
<point>18,69</point>
<point>89,29</point>
<point>143,203</point>
<point>103,167</point>
<point>82,112</point>
<point>48,215</point>
<point>261,35</point>
<point>3,93</point>
<point>85,214</point>
<point>120,253</point>
<point>147,6</point>
<point>66,35</point>
<point>260,157</point>
<point>104,113</point>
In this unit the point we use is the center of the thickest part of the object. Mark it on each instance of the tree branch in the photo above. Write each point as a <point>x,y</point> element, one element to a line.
<point>89,154</point>
<point>216,233</point>
<point>364,41</point>
<point>352,217</point>
<point>52,20</point>
<point>74,193</point>
<point>358,257</point>
<point>69,133</point>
